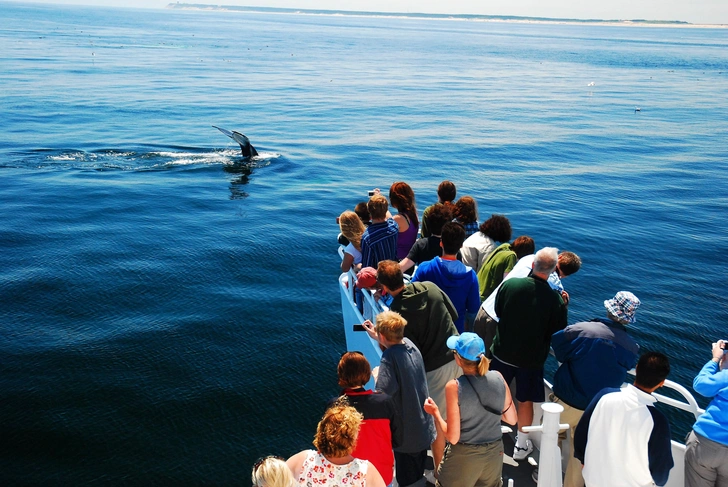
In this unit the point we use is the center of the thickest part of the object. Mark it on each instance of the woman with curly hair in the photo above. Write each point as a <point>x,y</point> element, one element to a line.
<point>466,213</point>
<point>402,198</point>
<point>352,228</point>
<point>332,463</point>
<point>479,245</point>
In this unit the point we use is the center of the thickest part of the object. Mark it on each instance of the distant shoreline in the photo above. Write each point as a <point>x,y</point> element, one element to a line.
<point>470,17</point>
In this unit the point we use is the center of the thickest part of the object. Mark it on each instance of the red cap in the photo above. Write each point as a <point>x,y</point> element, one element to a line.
<point>366,278</point>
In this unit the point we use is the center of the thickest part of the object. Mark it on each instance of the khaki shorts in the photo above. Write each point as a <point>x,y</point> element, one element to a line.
<point>477,465</point>
<point>436,381</point>
<point>485,327</point>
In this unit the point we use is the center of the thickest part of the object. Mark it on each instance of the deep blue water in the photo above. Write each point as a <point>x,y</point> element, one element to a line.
<point>168,313</point>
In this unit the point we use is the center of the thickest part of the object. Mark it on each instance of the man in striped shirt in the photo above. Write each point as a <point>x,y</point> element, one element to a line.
<point>379,241</point>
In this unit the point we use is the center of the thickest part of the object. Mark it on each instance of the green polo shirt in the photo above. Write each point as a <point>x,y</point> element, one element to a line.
<point>529,312</point>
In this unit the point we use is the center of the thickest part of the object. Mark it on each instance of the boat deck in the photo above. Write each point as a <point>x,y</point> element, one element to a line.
<point>519,472</point>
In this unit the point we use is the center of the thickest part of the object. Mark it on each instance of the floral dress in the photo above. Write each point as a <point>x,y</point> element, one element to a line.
<point>319,471</point>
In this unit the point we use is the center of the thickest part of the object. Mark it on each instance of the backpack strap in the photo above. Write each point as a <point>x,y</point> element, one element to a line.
<point>487,408</point>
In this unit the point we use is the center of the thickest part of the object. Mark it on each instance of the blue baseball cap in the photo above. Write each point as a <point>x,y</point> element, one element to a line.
<point>468,345</point>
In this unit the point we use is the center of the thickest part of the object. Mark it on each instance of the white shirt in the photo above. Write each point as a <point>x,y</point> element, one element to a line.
<point>351,250</point>
<point>476,249</point>
<point>522,269</point>
<point>619,431</point>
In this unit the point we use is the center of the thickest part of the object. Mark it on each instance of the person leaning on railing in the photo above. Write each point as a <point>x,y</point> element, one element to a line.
<point>706,457</point>
<point>352,228</point>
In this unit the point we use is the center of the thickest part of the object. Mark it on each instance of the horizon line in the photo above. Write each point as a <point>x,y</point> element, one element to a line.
<point>260,9</point>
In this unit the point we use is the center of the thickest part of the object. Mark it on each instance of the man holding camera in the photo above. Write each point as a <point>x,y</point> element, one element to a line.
<point>706,457</point>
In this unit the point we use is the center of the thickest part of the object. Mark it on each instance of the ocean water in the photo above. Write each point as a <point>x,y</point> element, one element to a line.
<point>169,313</point>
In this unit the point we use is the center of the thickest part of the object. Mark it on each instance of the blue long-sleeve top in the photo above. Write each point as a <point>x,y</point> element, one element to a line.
<point>712,382</point>
<point>593,354</point>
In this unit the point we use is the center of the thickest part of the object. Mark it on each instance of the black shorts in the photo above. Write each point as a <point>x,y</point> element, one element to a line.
<point>529,382</point>
<point>410,467</point>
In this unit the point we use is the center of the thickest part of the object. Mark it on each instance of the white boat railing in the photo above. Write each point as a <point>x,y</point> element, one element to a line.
<point>550,461</point>
<point>690,405</point>
<point>367,307</point>
<point>371,307</point>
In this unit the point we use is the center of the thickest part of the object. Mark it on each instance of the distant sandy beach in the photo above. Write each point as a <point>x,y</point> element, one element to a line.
<point>460,17</point>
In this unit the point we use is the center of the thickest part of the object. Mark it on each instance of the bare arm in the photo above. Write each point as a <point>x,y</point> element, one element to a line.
<point>402,222</point>
<point>373,477</point>
<point>451,427</point>
<point>406,264</point>
<point>509,415</point>
<point>370,329</point>
<point>295,463</point>
<point>347,262</point>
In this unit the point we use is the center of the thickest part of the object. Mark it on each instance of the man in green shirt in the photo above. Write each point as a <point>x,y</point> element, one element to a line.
<point>530,311</point>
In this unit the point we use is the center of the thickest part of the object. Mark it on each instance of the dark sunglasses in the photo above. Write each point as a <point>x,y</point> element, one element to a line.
<point>353,351</point>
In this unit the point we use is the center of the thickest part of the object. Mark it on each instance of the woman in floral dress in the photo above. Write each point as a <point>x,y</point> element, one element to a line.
<point>332,464</point>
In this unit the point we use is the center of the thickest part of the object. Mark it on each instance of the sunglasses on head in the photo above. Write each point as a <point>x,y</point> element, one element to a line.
<point>264,459</point>
<point>353,351</point>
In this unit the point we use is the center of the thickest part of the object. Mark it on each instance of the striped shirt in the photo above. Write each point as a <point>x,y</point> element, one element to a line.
<point>379,242</point>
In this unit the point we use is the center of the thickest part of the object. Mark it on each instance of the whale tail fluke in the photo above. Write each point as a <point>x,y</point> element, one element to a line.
<point>245,146</point>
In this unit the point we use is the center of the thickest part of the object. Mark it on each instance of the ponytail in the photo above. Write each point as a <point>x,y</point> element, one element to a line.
<point>483,365</point>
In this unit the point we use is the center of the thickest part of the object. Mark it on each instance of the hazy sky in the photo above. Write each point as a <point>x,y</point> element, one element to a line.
<point>695,11</point>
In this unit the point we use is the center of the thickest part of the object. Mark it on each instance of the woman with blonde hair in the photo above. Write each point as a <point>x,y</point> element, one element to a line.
<point>402,197</point>
<point>352,228</point>
<point>332,463</point>
<point>477,401</point>
<point>272,472</point>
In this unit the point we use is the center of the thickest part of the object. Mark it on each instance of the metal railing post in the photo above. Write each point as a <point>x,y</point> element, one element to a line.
<point>549,468</point>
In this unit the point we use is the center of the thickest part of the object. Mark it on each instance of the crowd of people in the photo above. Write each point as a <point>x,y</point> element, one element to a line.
<point>479,314</point>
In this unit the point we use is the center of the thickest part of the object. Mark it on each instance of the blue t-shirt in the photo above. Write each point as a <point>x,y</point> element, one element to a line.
<point>457,280</point>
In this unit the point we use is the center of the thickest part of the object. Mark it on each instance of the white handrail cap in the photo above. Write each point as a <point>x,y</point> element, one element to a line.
<point>552,407</point>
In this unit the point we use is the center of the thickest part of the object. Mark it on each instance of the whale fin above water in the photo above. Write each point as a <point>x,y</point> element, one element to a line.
<point>245,146</point>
